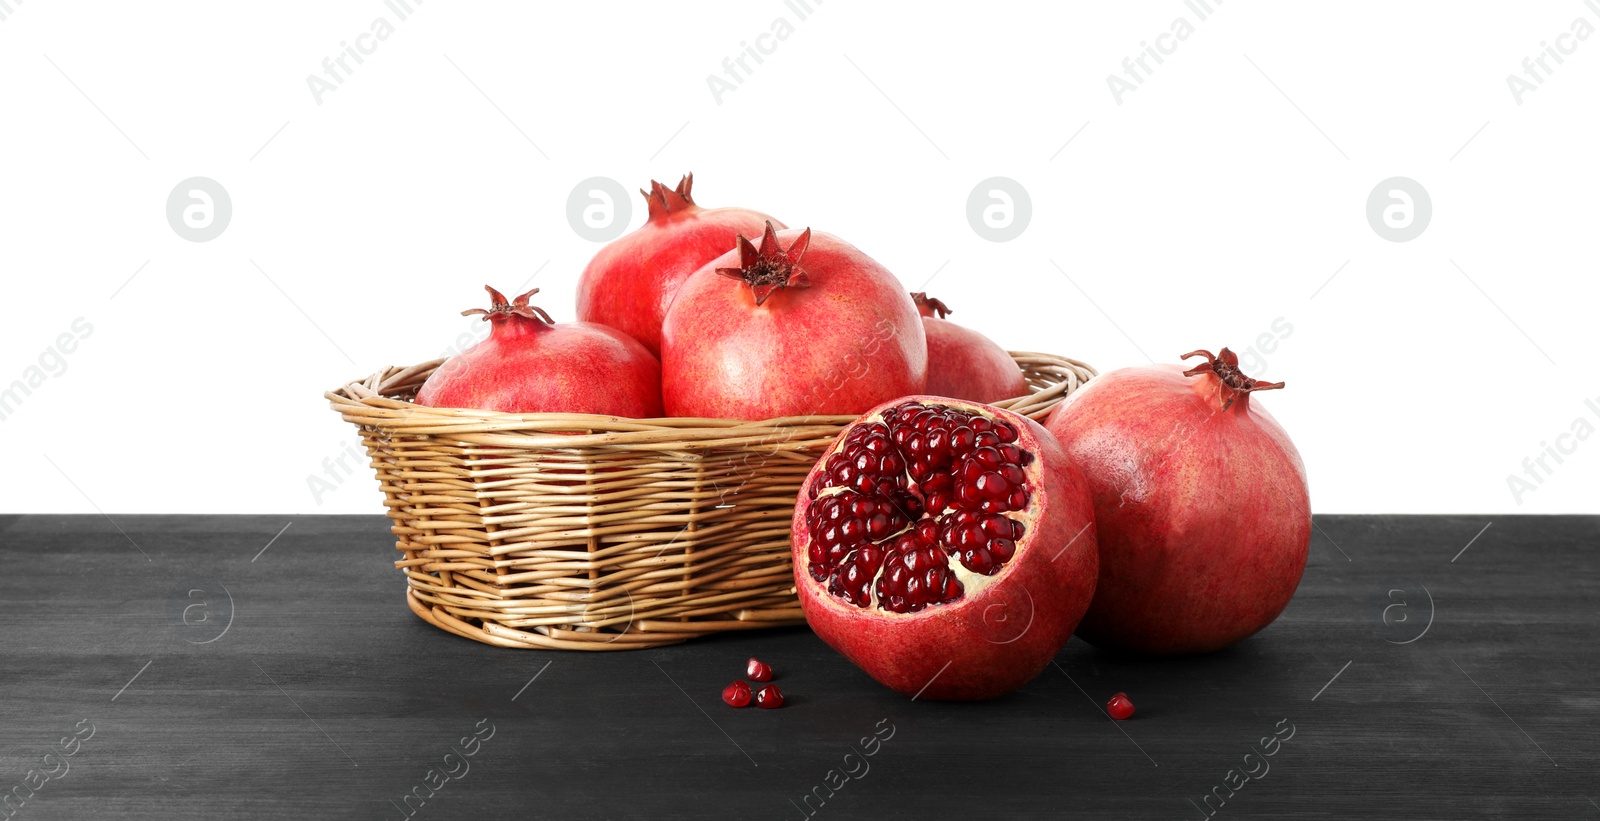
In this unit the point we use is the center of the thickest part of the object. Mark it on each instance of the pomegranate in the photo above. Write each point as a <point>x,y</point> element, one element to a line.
<point>962,363</point>
<point>769,697</point>
<point>531,365</point>
<point>631,281</point>
<point>947,548</point>
<point>1200,500</point>
<point>736,694</point>
<point>1119,707</point>
<point>758,670</point>
<point>817,328</point>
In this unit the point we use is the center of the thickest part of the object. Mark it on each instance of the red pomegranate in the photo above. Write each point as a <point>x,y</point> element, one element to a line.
<point>947,548</point>
<point>1200,501</point>
<point>817,328</point>
<point>962,363</point>
<point>531,365</point>
<point>631,281</point>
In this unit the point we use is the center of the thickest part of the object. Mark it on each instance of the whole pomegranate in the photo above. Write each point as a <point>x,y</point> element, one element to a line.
<point>1200,501</point>
<point>530,365</point>
<point>817,328</point>
<point>963,363</point>
<point>947,548</point>
<point>631,281</point>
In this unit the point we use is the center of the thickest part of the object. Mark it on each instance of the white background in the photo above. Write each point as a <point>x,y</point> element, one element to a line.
<point>1195,213</point>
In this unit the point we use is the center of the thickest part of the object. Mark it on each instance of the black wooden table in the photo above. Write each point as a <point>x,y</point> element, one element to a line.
<point>169,667</point>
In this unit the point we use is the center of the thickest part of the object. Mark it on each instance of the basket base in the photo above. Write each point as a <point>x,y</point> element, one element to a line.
<point>502,636</point>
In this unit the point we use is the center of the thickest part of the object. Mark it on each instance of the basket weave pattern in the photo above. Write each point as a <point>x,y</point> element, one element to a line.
<point>573,531</point>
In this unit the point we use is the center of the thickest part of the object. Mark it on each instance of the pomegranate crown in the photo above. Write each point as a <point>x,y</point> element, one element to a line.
<point>772,267</point>
<point>663,200</point>
<point>499,308</point>
<point>929,306</point>
<point>1226,368</point>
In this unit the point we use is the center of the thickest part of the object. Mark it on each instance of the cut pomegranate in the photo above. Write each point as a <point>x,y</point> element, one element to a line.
<point>769,697</point>
<point>758,670</point>
<point>736,694</point>
<point>1119,707</point>
<point>945,547</point>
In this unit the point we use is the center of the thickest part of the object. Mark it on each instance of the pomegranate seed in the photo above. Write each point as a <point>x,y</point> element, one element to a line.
<point>736,694</point>
<point>758,670</point>
<point>770,697</point>
<point>979,560</point>
<point>1119,707</point>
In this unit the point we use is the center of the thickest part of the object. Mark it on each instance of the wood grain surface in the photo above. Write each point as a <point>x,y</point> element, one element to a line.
<point>170,667</point>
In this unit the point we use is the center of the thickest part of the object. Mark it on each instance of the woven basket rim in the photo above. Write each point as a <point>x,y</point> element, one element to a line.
<point>371,401</point>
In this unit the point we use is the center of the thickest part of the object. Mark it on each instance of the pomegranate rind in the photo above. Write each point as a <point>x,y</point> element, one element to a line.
<point>847,341</point>
<point>527,365</point>
<point>968,365</point>
<point>1002,633</point>
<point>1203,512</point>
<point>630,283</point>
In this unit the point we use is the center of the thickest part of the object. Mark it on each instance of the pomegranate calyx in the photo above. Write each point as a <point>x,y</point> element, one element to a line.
<point>772,267</point>
<point>500,308</point>
<point>664,201</point>
<point>1225,366</point>
<point>929,306</point>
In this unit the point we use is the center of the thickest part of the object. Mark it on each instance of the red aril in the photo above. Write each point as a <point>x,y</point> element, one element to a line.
<point>769,697</point>
<point>758,670</point>
<point>736,694</point>
<point>807,325</point>
<point>531,365</point>
<point>1200,501</point>
<point>962,363</point>
<point>631,281</point>
<point>947,548</point>
<point>1119,707</point>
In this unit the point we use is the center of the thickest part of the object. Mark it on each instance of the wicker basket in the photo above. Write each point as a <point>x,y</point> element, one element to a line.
<point>581,532</point>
